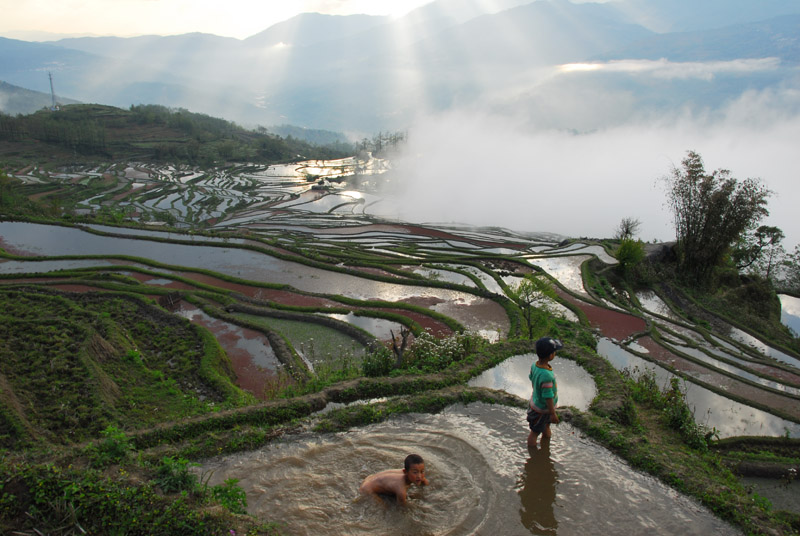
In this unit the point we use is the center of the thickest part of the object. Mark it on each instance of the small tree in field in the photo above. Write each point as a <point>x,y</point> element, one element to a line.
<point>711,213</point>
<point>532,289</point>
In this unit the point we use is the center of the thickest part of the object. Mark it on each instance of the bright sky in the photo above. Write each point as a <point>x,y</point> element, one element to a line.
<point>27,19</point>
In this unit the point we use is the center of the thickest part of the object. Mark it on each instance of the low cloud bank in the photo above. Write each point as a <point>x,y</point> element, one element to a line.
<point>481,169</point>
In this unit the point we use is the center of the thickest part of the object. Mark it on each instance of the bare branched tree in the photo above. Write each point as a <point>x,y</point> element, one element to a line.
<point>400,349</point>
<point>627,229</point>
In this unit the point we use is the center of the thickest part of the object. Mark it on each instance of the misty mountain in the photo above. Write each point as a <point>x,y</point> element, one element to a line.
<point>664,16</point>
<point>362,74</point>
<point>17,100</point>
<point>774,38</point>
<point>311,28</point>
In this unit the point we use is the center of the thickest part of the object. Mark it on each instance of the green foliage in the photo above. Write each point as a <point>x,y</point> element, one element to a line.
<point>97,131</point>
<point>790,275</point>
<point>378,362</point>
<point>113,449</point>
<point>172,475</point>
<point>231,496</point>
<point>13,201</point>
<point>534,290</point>
<point>429,354</point>
<point>629,254</point>
<point>761,249</point>
<point>50,500</point>
<point>77,363</point>
<point>711,212</point>
<point>675,412</point>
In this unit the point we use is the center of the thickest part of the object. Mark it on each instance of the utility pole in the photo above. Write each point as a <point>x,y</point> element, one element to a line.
<point>52,92</point>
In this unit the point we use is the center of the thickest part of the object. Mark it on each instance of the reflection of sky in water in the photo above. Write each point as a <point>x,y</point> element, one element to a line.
<point>730,418</point>
<point>55,240</point>
<point>483,480</point>
<point>652,302</point>
<point>566,269</point>
<point>257,348</point>
<point>575,385</point>
<point>489,282</point>
<point>438,274</point>
<point>378,327</point>
<point>30,267</point>
<point>163,234</point>
<point>702,356</point>
<point>323,204</point>
<point>571,247</point>
<point>790,312</point>
<point>764,348</point>
<point>583,248</point>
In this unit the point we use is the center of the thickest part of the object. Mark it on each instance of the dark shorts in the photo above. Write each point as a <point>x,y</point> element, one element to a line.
<point>538,421</point>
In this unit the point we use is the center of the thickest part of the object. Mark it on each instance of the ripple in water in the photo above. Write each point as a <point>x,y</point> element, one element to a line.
<point>483,480</point>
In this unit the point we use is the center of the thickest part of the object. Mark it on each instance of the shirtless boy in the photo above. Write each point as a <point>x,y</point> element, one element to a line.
<point>396,481</point>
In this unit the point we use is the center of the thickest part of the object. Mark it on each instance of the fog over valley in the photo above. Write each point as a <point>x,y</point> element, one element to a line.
<point>539,116</point>
<point>471,167</point>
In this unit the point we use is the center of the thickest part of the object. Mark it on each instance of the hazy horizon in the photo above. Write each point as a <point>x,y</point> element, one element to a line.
<point>541,144</point>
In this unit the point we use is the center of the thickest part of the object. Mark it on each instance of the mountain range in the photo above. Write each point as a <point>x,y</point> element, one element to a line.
<point>550,62</point>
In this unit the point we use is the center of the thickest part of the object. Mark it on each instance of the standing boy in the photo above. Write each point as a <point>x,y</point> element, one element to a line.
<point>396,481</point>
<point>542,406</point>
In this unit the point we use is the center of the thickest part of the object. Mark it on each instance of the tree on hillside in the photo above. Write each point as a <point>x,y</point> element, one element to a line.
<point>533,289</point>
<point>761,250</point>
<point>791,271</point>
<point>711,213</point>
<point>627,229</point>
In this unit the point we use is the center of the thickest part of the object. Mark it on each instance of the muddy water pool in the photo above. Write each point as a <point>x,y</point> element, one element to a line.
<point>483,480</point>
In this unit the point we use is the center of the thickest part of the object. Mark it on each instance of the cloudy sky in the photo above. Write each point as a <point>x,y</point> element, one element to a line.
<point>29,19</point>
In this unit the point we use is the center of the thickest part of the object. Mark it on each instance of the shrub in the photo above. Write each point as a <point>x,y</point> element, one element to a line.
<point>231,496</point>
<point>378,362</point>
<point>113,449</point>
<point>629,254</point>
<point>429,354</point>
<point>172,475</point>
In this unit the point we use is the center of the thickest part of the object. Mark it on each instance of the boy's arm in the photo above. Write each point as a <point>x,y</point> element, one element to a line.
<point>551,407</point>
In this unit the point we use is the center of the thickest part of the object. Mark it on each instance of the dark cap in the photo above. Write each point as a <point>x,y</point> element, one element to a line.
<point>547,345</point>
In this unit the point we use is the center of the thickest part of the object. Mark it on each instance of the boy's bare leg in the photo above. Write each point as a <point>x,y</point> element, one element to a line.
<point>532,440</point>
<point>546,434</point>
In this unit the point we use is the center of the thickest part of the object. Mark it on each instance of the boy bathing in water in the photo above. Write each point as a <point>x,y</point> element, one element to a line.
<point>396,481</point>
<point>542,406</point>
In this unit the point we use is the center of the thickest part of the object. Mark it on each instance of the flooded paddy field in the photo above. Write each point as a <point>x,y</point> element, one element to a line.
<point>272,249</point>
<point>483,480</point>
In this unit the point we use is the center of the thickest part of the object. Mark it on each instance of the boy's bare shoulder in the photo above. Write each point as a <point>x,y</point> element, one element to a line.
<point>385,481</point>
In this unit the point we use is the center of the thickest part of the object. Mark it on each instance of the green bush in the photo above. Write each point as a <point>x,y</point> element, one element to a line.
<point>231,496</point>
<point>378,362</point>
<point>629,254</point>
<point>172,475</point>
<point>429,354</point>
<point>113,449</point>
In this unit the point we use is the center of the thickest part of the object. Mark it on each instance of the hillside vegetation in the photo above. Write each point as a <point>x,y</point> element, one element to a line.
<point>144,133</point>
